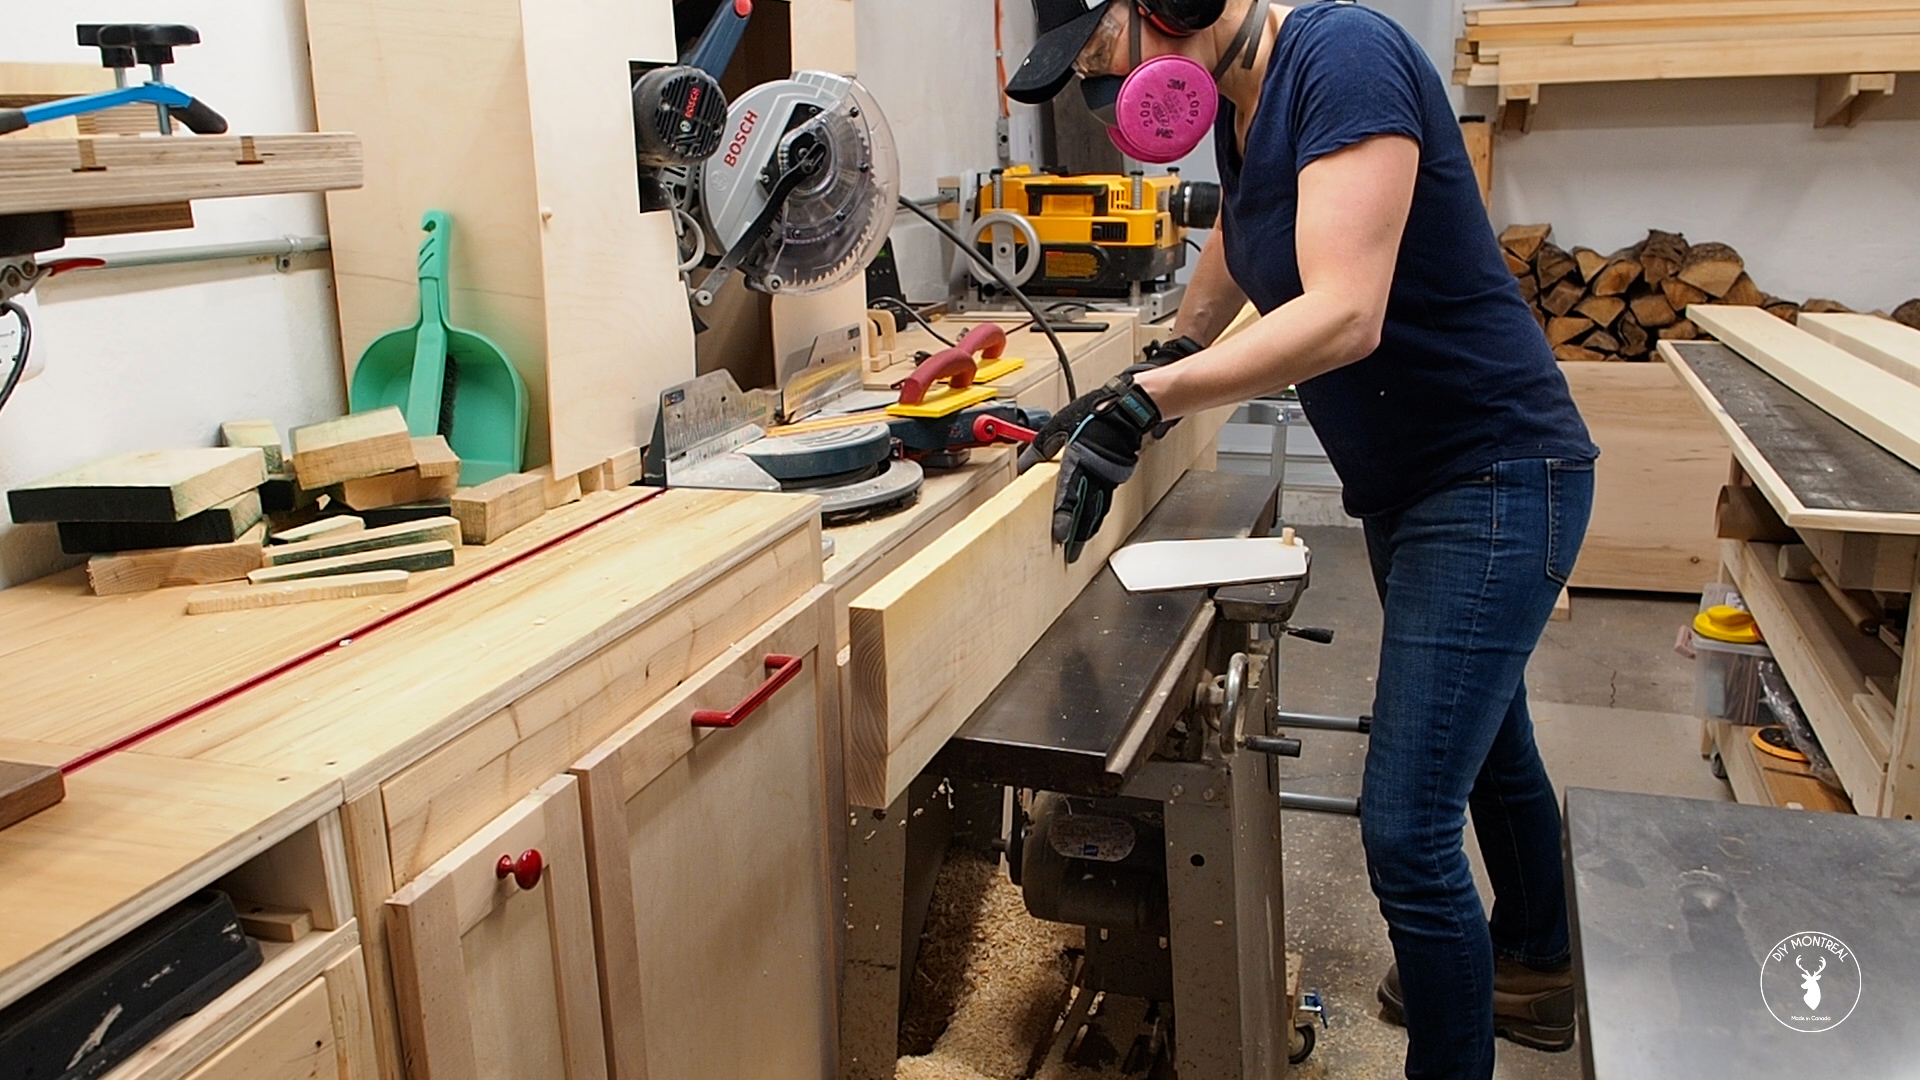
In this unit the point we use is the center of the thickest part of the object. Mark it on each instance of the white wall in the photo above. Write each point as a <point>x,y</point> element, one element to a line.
<point>1829,213</point>
<point>930,65</point>
<point>155,358</point>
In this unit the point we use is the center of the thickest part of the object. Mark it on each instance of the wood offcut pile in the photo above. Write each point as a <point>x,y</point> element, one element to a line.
<point>355,508</point>
<point>1620,306</point>
<point>1530,44</point>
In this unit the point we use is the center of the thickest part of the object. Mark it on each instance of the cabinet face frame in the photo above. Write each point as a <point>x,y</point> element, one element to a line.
<point>659,741</point>
<point>430,917</point>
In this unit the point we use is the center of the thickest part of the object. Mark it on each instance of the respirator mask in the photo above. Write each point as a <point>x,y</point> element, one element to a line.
<point>1163,109</point>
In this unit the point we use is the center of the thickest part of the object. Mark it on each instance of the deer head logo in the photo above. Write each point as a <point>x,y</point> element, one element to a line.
<point>1810,981</point>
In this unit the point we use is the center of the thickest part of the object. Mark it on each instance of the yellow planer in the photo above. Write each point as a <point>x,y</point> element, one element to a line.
<point>1099,235</point>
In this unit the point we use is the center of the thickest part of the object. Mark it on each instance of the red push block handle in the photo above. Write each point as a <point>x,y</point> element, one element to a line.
<point>956,365</point>
<point>781,670</point>
<point>525,871</point>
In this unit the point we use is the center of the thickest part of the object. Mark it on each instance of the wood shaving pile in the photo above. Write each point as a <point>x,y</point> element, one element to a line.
<point>991,982</point>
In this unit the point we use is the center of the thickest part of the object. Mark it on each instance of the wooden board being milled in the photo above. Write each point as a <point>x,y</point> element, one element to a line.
<point>916,676</point>
<point>150,485</point>
<point>1885,344</point>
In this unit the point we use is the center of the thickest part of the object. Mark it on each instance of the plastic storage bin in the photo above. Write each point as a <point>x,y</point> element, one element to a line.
<point>1726,675</point>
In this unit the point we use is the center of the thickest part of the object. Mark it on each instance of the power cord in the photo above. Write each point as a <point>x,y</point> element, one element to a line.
<point>906,309</point>
<point>19,367</point>
<point>1000,279</point>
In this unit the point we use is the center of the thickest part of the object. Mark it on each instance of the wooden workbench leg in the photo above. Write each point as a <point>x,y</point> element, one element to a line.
<point>1900,796</point>
<point>365,823</point>
<point>870,983</point>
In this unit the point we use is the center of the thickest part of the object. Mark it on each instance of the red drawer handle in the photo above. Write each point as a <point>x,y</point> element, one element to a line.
<point>782,669</point>
<point>525,870</point>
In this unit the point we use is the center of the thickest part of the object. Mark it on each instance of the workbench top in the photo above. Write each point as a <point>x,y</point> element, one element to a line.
<point>287,712</point>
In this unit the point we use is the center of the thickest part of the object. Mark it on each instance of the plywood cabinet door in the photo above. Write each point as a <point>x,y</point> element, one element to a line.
<point>493,952</point>
<point>709,856</point>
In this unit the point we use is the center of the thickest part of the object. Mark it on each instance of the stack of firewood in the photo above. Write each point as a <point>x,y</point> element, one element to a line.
<point>1619,306</point>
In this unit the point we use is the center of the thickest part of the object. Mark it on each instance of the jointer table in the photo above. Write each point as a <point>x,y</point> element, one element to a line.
<point>1091,713</point>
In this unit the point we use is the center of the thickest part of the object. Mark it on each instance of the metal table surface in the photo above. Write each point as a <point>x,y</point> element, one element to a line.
<point>1052,721</point>
<point>1693,927</point>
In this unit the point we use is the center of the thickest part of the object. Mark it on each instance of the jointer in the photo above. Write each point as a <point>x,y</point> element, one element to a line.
<point>1140,736</point>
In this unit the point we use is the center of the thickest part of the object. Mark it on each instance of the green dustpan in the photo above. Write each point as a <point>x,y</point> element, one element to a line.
<point>447,381</point>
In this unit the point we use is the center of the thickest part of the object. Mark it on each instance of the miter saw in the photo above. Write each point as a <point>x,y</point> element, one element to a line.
<point>802,192</point>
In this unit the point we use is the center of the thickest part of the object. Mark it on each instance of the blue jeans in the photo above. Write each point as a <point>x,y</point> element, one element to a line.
<point>1468,577</point>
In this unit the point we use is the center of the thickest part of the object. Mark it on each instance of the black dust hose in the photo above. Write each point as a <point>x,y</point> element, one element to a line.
<point>1039,320</point>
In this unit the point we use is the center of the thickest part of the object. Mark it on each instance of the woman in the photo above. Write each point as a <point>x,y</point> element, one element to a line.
<point>1352,220</point>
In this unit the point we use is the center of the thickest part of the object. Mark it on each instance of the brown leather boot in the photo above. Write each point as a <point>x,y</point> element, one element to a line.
<point>1532,1008</point>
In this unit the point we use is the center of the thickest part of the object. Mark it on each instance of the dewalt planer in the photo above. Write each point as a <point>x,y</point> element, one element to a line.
<point>1101,236</point>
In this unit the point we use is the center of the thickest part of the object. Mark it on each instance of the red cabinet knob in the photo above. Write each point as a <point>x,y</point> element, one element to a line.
<point>525,870</point>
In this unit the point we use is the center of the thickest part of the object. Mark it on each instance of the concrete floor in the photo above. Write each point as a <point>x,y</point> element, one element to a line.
<point>1610,699</point>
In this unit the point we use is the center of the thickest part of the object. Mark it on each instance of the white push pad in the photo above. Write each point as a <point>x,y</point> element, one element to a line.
<point>1194,564</point>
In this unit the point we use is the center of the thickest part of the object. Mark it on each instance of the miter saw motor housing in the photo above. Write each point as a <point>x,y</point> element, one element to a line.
<point>679,110</point>
<point>803,194</point>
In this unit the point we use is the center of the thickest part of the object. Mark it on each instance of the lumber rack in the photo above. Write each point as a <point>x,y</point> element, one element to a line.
<point>1856,48</point>
<point>1857,508</point>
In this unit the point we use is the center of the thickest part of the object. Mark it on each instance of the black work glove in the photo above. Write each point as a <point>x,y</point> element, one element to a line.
<point>1102,433</point>
<point>1161,353</point>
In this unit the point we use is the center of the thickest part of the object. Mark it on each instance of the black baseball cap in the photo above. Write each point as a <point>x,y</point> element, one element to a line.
<point>1065,28</point>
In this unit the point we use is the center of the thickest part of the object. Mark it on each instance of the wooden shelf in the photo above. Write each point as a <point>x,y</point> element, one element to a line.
<point>1826,661</point>
<point>1855,47</point>
<point>52,175</point>
<point>1759,780</point>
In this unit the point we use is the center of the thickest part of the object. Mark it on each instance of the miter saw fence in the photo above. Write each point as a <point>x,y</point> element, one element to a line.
<point>802,195</point>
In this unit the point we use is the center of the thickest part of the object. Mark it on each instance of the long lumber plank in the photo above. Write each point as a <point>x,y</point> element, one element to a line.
<point>1885,344</point>
<point>1551,64</point>
<point>918,670</point>
<point>1514,14</point>
<point>1879,405</point>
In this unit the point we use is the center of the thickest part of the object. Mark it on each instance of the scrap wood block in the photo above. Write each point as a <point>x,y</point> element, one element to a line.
<point>268,923</point>
<point>260,433</point>
<point>314,530</point>
<point>594,479</point>
<point>433,457</point>
<point>491,510</point>
<point>432,555</point>
<point>282,494</point>
<point>558,493</point>
<point>222,524</point>
<point>200,564</point>
<point>390,536</point>
<point>151,485</point>
<point>281,594</point>
<point>395,488</point>
<point>25,790</point>
<point>415,511</point>
<point>624,469</point>
<point>351,447</point>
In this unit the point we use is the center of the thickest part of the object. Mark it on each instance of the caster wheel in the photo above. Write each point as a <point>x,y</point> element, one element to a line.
<point>1300,1047</point>
<point>1719,768</point>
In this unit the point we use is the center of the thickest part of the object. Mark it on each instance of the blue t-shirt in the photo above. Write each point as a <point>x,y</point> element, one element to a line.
<point>1463,377</point>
